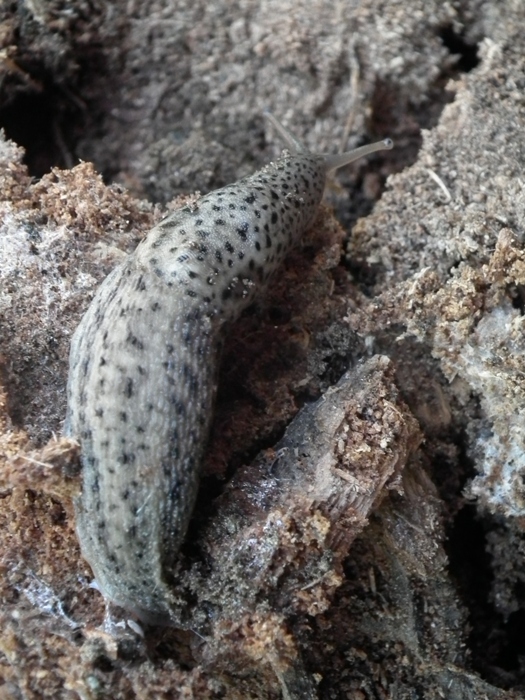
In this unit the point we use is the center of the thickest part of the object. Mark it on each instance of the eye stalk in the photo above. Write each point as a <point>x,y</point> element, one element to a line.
<point>341,159</point>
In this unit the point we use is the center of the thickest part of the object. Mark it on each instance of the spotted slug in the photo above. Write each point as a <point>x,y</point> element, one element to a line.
<point>143,365</point>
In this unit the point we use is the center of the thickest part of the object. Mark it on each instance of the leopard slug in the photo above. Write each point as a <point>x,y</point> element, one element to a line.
<point>143,363</point>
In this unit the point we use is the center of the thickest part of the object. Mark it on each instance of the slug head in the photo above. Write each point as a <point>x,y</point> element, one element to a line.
<point>332,162</point>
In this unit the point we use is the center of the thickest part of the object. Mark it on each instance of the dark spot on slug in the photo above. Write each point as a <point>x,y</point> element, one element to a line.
<point>242,231</point>
<point>133,340</point>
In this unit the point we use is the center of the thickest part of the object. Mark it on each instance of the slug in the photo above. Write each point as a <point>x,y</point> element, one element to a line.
<point>143,365</point>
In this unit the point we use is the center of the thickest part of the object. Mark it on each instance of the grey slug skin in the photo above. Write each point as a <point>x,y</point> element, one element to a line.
<point>143,370</point>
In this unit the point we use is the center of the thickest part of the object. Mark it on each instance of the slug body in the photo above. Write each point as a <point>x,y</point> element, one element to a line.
<point>143,367</point>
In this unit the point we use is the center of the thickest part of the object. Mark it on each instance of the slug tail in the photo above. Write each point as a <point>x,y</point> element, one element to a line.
<point>340,159</point>
<point>293,144</point>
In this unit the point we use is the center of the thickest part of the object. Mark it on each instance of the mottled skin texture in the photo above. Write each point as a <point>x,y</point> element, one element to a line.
<point>143,367</point>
